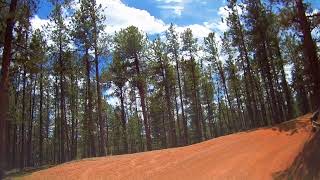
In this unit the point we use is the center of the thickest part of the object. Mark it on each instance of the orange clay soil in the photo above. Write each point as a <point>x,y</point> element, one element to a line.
<point>258,154</point>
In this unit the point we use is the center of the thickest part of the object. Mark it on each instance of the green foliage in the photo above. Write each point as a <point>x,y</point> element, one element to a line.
<point>189,45</point>
<point>129,41</point>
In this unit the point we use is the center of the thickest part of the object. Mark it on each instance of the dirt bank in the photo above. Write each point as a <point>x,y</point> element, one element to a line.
<point>265,153</point>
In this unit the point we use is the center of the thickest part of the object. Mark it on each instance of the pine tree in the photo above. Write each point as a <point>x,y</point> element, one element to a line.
<point>4,96</point>
<point>60,38</point>
<point>97,21</point>
<point>164,71</point>
<point>173,51</point>
<point>234,83</point>
<point>130,43</point>
<point>208,95</point>
<point>38,49</point>
<point>23,58</point>
<point>211,49</point>
<point>237,35</point>
<point>118,75</point>
<point>189,47</point>
<point>310,52</point>
<point>293,53</point>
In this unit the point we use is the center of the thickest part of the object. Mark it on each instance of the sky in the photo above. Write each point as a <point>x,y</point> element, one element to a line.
<point>154,16</point>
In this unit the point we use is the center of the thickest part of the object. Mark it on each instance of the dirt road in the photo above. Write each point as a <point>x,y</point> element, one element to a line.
<point>257,154</point>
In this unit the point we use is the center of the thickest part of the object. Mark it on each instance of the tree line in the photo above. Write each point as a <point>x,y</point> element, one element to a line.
<point>170,90</point>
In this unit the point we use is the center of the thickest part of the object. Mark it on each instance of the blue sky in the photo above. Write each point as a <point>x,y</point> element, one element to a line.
<point>154,16</point>
<point>181,12</point>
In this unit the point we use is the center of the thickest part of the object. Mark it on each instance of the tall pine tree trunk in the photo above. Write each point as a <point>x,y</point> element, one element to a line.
<point>224,84</point>
<point>285,86</point>
<point>73,117</point>
<point>62,129</point>
<point>248,75</point>
<point>41,120</point>
<point>48,148</point>
<point>177,116</point>
<point>210,114</point>
<point>172,128</point>
<point>91,143</point>
<point>141,88</point>
<point>184,121</point>
<point>310,53</point>
<point>123,121</point>
<point>30,159</point>
<point>102,144</point>
<point>4,95</point>
<point>197,107</point>
<point>56,123</point>
<point>23,118</point>
<point>15,127</point>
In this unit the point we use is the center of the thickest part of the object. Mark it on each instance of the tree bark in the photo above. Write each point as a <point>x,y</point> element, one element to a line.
<point>62,106</point>
<point>310,53</point>
<point>30,160</point>
<point>177,116</point>
<point>23,114</point>
<point>141,88</point>
<point>249,81</point>
<point>224,83</point>
<point>285,86</point>
<point>4,83</point>
<point>102,144</point>
<point>41,120</point>
<point>48,158</point>
<point>197,107</point>
<point>185,125</point>
<point>172,128</point>
<point>92,149</point>
<point>123,119</point>
<point>73,117</point>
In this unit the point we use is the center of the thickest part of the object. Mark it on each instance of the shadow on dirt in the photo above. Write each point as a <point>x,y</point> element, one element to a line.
<point>15,173</point>
<point>307,163</point>
<point>293,126</point>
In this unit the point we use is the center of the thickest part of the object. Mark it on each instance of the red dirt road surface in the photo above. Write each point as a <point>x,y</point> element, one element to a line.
<point>266,153</point>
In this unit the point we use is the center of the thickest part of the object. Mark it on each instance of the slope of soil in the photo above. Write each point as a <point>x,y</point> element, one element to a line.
<point>266,153</point>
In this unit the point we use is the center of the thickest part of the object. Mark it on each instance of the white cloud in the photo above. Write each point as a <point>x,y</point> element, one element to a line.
<point>217,26</point>
<point>221,24</point>
<point>175,7</point>
<point>223,11</point>
<point>42,24</point>
<point>119,15</point>
<point>313,11</point>
<point>38,23</point>
<point>199,30</point>
<point>171,1</point>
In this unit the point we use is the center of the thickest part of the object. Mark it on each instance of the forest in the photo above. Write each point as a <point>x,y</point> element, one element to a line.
<point>70,90</point>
